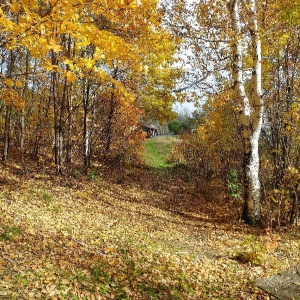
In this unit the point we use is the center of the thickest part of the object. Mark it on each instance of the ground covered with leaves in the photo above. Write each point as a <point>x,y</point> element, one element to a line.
<point>135,234</point>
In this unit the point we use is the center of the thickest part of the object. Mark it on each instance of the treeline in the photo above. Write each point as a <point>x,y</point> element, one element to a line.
<point>185,122</point>
<point>77,77</point>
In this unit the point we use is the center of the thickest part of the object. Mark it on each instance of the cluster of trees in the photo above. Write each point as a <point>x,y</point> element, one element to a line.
<point>77,76</point>
<point>185,122</point>
<point>245,56</point>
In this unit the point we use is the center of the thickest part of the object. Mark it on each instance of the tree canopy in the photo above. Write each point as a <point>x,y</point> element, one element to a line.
<point>88,69</point>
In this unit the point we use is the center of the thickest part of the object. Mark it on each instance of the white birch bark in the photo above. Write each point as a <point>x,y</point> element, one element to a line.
<point>250,115</point>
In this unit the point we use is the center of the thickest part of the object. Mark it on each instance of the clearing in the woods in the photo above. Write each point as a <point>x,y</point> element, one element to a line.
<point>141,233</point>
<point>158,150</point>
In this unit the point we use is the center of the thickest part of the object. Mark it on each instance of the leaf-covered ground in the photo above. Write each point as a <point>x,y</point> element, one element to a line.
<point>139,234</point>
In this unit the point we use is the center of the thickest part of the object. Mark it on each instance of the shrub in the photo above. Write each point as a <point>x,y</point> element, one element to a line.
<point>252,252</point>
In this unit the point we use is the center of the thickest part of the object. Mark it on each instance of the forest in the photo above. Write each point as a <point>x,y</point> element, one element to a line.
<point>91,205</point>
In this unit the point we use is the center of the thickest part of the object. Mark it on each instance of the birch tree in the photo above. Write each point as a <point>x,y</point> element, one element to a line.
<point>251,112</point>
<point>223,39</point>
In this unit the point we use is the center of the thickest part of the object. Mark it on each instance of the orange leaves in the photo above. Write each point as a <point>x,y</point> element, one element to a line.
<point>91,52</point>
<point>123,240</point>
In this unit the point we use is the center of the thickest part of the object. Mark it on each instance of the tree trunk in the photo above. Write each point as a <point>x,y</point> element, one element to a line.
<point>58,137</point>
<point>69,99</point>
<point>6,131</point>
<point>294,212</point>
<point>8,112</point>
<point>59,104</point>
<point>22,118</point>
<point>70,129</point>
<point>110,118</point>
<point>109,124</point>
<point>22,141</point>
<point>60,131</point>
<point>251,112</point>
<point>57,155</point>
<point>86,132</point>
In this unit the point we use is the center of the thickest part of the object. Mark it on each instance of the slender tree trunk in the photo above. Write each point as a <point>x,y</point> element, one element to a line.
<point>7,131</point>
<point>250,115</point>
<point>8,113</point>
<point>37,131</point>
<point>56,123</point>
<point>69,99</point>
<point>22,141</point>
<point>109,125</point>
<point>59,104</point>
<point>22,119</point>
<point>69,133</point>
<point>60,131</point>
<point>86,132</point>
<point>58,138</point>
<point>295,209</point>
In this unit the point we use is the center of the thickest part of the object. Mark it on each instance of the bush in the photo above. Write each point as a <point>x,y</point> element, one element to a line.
<point>234,189</point>
<point>214,149</point>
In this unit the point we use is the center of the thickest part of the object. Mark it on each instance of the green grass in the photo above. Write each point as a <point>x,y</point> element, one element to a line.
<point>157,151</point>
<point>46,197</point>
<point>9,233</point>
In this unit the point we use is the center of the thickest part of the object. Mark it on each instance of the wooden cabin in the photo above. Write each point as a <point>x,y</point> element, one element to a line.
<point>150,130</point>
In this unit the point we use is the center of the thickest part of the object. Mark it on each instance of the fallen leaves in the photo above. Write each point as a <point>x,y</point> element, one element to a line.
<point>110,241</point>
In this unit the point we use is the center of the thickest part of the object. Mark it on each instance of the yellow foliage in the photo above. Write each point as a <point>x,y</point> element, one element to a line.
<point>215,148</point>
<point>14,7</point>
<point>118,49</point>
<point>8,82</point>
<point>70,77</point>
<point>54,46</point>
<point>18,84</point>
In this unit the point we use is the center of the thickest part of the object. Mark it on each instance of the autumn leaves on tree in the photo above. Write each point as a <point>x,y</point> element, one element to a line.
<point>240,56</point>
<point>78,76</point>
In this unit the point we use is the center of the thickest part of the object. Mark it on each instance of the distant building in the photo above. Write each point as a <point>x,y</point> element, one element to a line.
<point>150,130</point>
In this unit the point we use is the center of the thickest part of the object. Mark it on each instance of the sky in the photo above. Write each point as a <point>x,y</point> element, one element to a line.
<point>183,107</point>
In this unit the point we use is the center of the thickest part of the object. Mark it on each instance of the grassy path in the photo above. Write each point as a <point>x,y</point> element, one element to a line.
<point>158,150</point>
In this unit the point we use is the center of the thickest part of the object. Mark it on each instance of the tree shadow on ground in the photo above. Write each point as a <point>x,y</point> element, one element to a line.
<point>200,202</point>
